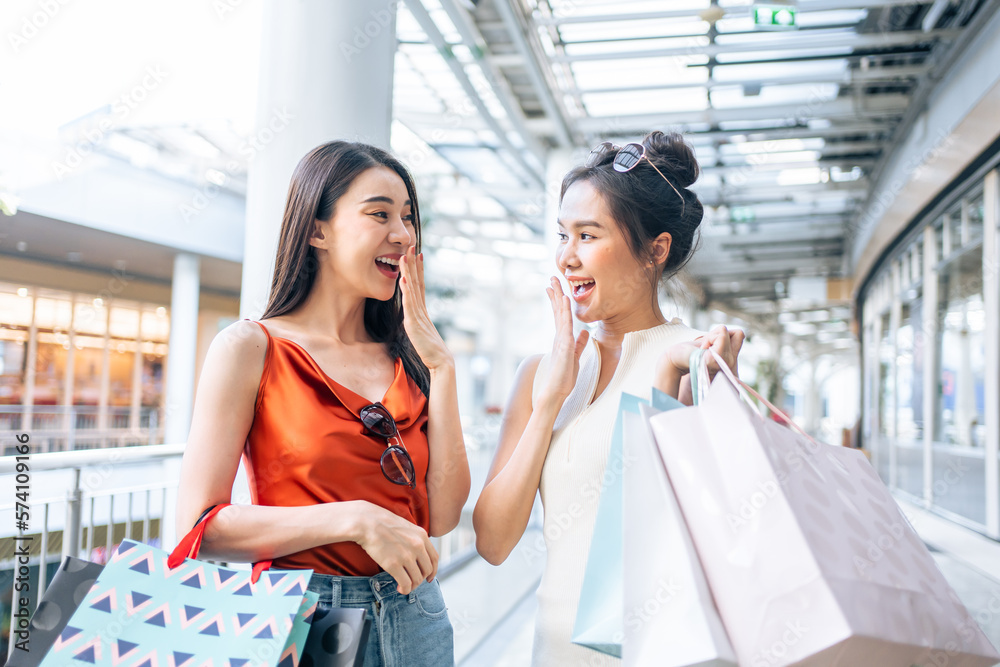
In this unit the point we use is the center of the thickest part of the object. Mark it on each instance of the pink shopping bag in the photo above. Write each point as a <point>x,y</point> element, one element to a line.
<point>809,558</point>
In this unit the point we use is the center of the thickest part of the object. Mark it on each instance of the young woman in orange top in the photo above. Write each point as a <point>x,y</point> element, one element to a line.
<point>342,401</point>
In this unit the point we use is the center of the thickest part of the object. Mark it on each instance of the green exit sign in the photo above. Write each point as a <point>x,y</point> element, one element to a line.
<point>774,17</point>
<point>742,214</point>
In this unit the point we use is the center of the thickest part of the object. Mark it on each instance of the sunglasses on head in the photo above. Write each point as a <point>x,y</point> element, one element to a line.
<point>397,466</point>
<point>626,159</point>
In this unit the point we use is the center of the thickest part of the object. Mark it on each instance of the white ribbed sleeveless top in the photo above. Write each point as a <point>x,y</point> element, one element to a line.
<point>572,478</point>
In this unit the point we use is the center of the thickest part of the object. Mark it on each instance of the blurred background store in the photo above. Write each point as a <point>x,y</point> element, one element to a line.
<point>849,156</point>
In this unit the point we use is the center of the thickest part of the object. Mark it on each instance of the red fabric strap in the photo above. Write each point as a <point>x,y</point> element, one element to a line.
<point>190,545</point>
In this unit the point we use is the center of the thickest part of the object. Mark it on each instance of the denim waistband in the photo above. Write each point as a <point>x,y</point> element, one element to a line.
<point>334,590</point>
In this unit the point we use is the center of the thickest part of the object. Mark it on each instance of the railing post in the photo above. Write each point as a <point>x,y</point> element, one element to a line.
<point>71,528</point>
<point>71,430</point>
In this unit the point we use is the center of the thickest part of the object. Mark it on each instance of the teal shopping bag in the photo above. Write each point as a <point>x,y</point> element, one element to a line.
<point>600,614</point>
<point>149,608</point>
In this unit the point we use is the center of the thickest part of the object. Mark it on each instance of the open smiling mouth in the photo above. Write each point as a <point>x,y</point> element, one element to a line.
<point>388,266</point>
<point>581,288</point>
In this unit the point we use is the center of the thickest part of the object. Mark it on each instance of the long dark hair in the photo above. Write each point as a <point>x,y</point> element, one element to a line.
<point>643,205</point>
<point>320,180</point>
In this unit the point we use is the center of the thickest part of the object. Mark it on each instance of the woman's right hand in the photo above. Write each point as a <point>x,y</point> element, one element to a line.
<point>401,548</point>
<point>566,349</point>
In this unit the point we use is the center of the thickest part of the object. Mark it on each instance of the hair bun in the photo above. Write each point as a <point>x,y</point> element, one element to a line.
<point>673,156</point>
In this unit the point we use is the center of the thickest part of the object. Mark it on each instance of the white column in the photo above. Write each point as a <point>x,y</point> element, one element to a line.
<point>991,297</point>
<point>135,411</point>
<point>326,73</point>
<point>69,422</point>
<point>183,344</point>
<point>895,315</point>
<point>814,402</point>
<point>879,444</point>
<point>929,330</point>
<point>102,401</point>
<point>28,400</point>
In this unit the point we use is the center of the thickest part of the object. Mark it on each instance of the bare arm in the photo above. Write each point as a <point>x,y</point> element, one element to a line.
<point>448,479</point>
<point>504,506</point>
<point>223,414</point>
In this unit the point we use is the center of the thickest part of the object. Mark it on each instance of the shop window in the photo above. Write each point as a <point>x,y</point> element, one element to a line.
<point>961,346</point>
<point>90,317</point>
<point>886,396</point>
<point>88,368</point>
<point>909,374</point>
<point>50,368</point>
<point>12,371</point>
<point>975,214</point>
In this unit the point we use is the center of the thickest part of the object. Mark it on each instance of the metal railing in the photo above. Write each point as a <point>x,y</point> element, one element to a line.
<point>115,510</point>
<point>89,471</point>
<point>57,428</point>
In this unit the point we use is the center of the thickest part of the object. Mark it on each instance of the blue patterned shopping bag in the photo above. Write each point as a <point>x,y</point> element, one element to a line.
<point>145,611</point>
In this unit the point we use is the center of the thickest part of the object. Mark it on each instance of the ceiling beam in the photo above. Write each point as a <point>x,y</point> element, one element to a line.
<point>766,167</point>
<point>825,219</point>
<point>805,235</point>
<point>715,267</point>
<point>498,82</point>
<point>783,42</point>
<point>849,77</point>
<point>430,28</point>
<point>892,104</point>
<point>803,8</point>
<point>536,74</point>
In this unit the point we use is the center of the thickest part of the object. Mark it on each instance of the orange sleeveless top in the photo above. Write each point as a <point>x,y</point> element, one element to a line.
<point>307,445</point>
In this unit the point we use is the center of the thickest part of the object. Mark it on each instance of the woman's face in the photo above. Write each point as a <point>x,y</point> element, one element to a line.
<point>369,231</point>
<point>605,279</point>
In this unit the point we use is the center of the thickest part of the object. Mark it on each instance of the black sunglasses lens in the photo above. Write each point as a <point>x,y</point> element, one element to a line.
<point>598,154</point>
<point>628,157</point>
<point>377,420</point>
<point>398,466</point>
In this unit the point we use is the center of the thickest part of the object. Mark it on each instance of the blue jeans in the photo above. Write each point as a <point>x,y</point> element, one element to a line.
<point>406,630</point>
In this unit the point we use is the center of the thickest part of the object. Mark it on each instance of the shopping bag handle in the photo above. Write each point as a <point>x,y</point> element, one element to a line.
<point>743,388</point>
<point>190,544</point>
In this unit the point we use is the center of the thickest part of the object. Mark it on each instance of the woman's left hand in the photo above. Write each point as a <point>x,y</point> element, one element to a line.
<point>417,322</point>
<point>673,364</point>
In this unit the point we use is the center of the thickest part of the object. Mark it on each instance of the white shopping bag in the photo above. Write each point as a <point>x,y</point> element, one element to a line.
<point>809,558</point>
<point>670,617</point>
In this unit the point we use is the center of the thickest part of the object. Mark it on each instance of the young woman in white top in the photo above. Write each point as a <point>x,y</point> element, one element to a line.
<point>626,222</point>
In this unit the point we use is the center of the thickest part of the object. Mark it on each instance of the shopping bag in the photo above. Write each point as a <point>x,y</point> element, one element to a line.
<point>148,608</point>
<point>62,596</point>
<point>337,638</point>
<point>809,558</point>
<point>670,617</point>
<point>599,616</point>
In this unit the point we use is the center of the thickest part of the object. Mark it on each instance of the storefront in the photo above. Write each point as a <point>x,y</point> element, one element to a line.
<point>930,337</point>
<point>78,372</point>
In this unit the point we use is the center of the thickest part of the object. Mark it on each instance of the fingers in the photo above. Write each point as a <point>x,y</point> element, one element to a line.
<point>561,310</point>
<point>411,578</point>
<point>736,338</point>
<point>435,559</point>
<point>426,566</point>
<point>399,573</point>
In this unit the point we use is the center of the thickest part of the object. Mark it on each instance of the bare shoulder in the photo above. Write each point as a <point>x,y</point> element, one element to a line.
<point>238,350</point>
<point>524,380</point>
